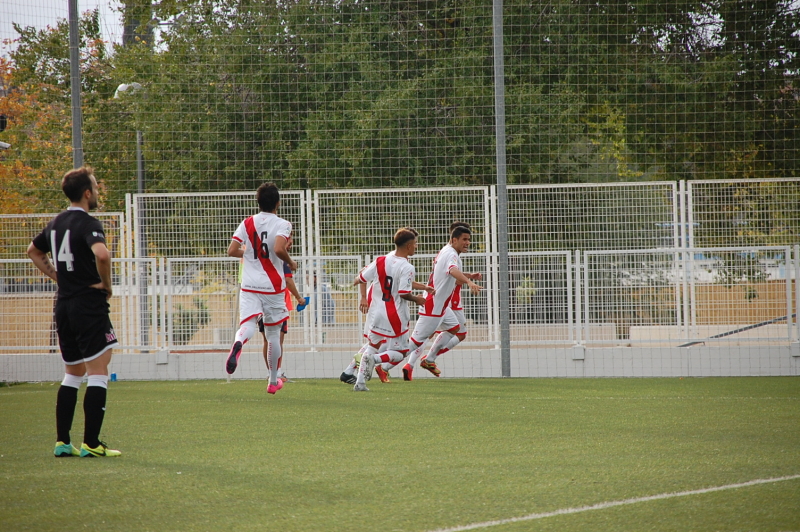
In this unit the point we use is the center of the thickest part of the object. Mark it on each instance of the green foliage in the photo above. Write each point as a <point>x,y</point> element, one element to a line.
<point>187,321</point>
<point>401,93</point>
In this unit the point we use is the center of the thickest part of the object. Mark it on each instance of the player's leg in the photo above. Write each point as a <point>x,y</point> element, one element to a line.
<point>96,339</point>
<point>274,353</point>
<point>447,340</point>
<point>67,397</point>
<point>425,326</point>
<point>249,312</point>
<point>385,360</point>
<point>449,325</point>
<point>281,373</point>
<point>94,406</point>
<point>368,359</point>
<point>349,374</point>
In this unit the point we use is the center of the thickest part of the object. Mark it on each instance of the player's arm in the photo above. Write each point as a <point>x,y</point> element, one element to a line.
<point>420,286</point>
<point>461,277</point>
<point>292,287</point>
<point>235,249</point>
<point>282,251</point>
<point>102,259</point>
<point>42,261</point>
<point>419,300</point>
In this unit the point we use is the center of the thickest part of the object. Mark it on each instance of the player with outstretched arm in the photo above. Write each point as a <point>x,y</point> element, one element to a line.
<point>266,237</point>
<point>437,312</point>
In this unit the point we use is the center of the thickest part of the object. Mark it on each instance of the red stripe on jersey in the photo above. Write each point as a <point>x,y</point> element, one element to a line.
<point>255,241</point>
<point>388,299</point>
<point>429,297</point>
<point>455,300</point>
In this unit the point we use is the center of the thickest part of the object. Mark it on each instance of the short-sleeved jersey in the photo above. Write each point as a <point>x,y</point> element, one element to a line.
<point>69,238</point>
<point>392,277</point>
<point>263,269</point>
<point>442,281</point>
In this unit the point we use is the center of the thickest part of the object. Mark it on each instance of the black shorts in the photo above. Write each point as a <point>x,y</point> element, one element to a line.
<point>284,325</point>
<point>84,327</point>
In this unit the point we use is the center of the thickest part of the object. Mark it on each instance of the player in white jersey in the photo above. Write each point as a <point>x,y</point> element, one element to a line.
<point>437,313</point>
<point>266,238</point>
<point>447,340</point>
<point>388,315</point>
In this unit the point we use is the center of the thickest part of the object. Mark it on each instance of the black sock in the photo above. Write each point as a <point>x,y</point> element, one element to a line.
<point>94,409</point>
<point>65,411</point>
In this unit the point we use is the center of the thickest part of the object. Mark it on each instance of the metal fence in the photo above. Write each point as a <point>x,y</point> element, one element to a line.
<point>633,265</point>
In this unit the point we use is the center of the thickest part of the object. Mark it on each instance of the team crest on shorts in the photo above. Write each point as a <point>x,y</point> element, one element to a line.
<point>111,335</point>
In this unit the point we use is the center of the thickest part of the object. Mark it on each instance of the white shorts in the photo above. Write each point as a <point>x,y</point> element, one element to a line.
<point>271,306</point>
<point>427,325</point>
<point>398,343</point>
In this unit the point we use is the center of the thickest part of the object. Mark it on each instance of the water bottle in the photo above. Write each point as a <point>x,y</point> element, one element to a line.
<point>113,377</point>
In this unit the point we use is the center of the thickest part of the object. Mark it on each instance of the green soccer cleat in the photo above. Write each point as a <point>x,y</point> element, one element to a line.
<point>65,449</point>
<point>98,452</point>
<point>430,366</point>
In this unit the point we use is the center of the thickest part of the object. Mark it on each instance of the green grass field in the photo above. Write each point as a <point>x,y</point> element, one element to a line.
<point>427,455</point>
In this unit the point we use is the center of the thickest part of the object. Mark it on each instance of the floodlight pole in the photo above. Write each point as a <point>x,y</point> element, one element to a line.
<point>141,238</point>
<point>75,85</point>
<point>502,193</point>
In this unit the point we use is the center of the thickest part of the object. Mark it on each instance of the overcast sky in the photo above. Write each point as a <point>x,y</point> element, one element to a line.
<point>41,13</point>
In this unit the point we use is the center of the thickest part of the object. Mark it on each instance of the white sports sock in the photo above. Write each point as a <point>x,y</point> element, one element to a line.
<point>98,380</point>
<point>73,381</point>
<point>414,352</point>
<point>454,341</point>
<point>246,331</point>
<point>369,351</point>
<point>274,351</point>
<point>440,343</point>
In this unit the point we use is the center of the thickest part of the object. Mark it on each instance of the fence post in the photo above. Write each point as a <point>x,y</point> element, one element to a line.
<point>502,193</point>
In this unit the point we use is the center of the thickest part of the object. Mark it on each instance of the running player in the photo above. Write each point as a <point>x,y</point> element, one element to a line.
<point>82,268</point>
<point>349,374</point>
<point>388,313</point>
<point>437,313</point>
<point>445,341</point>
<point>263,282</point>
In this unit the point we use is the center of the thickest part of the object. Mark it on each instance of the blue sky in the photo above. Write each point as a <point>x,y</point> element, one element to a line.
<point>41,13</point>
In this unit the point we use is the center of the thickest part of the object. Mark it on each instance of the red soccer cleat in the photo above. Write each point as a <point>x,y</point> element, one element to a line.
<point>382,374</point>
<point>430,366</point>
<point>272,388</point>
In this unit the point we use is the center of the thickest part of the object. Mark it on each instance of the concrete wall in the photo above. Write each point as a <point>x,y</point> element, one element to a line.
<point>697,361</point>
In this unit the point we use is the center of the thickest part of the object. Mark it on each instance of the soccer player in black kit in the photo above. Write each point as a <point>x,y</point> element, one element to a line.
<point>81,266</point>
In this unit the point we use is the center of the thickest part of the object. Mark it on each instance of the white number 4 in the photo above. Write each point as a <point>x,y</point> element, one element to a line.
<point>64,252</point>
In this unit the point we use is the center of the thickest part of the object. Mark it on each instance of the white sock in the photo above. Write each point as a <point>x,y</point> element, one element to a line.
<point>274,351</point>
<point>414,352</point>
<point>368,352</point>
<point>98,380</point>
<point>439,344</point>
<point>454,341</point>
<point>351,368</point>
<point>73,381</point>
<point>246,331</point>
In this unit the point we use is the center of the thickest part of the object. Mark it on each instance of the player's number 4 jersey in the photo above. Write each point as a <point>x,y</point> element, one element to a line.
<point>263,270</point>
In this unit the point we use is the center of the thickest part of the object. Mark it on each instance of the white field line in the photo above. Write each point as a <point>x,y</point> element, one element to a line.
<point>604,505</point>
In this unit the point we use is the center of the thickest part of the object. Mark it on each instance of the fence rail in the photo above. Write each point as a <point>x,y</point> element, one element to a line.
<point>621,273</point>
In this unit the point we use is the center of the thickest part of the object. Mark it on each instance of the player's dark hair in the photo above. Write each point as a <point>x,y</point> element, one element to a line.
<point>458,231</point>
<point>459,224</point>
<point>76,182</point>
<point>416,233</point>
<point>404,236</point>
<point>268,197</point>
